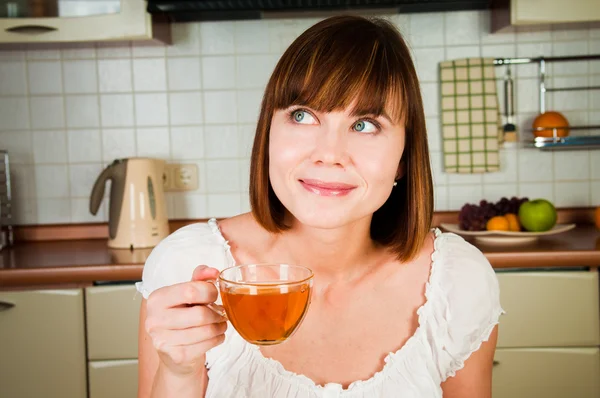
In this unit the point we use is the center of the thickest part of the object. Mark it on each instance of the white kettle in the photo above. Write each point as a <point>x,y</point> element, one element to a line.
<point>137,207</point>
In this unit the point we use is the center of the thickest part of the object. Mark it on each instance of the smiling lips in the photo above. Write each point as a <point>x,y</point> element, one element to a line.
<point>323,188</point>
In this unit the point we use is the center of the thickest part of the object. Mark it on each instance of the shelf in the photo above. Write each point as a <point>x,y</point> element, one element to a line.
<point>567,143</point>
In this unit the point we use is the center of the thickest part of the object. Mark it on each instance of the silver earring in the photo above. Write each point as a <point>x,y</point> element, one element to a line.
<point>395,183</point>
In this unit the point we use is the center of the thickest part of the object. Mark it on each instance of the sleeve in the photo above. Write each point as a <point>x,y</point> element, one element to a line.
<point>174,259</point>
<point>470,308</point>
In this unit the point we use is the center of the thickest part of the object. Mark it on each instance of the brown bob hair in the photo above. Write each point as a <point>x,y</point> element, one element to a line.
<point>346,60</point>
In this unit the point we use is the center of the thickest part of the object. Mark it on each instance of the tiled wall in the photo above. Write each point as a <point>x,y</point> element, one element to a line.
<point>64,114</point>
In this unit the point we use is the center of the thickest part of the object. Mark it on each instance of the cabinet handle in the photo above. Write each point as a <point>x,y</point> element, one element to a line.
<point>496,363</point>
<point>31,29</point>
<point>5,305</point>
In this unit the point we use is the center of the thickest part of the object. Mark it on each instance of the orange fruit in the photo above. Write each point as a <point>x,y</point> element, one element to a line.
<point>513,222</point>
<point>550,120</point>
<point>597,217</point>
<point>498,223</point>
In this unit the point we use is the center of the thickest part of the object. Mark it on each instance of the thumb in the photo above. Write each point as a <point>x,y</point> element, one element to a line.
<point>203,272</point>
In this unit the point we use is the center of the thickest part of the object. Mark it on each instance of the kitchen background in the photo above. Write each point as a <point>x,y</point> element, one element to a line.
<point>66,113</point>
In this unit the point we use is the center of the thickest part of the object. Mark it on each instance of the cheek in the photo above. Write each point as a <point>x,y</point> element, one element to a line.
<point>378,162</point>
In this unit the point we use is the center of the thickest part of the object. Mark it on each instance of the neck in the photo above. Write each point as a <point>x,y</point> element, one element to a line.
<point>333,254</point>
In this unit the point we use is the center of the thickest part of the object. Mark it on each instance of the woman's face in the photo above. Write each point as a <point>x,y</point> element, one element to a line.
<point>330,169</point>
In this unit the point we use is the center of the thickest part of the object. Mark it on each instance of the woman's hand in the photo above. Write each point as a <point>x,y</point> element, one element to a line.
<point>180,325</point>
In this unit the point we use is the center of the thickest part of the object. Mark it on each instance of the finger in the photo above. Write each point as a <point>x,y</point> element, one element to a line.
<point>185,354</point>
<point>181,318</point>
<point>203,272</point>
<point>189,336</point>
<point>195,292</point>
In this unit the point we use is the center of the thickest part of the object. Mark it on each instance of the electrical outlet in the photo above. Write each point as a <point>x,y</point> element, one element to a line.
<point>180,177</point>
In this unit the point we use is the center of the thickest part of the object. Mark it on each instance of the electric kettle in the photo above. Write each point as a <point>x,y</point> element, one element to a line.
<point>137,208</point>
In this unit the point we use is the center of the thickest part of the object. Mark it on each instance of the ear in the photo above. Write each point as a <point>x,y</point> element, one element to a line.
<point>401,170</point>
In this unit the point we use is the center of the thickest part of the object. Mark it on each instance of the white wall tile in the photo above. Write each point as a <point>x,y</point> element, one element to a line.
<point>186,40</point>
<point>427,62</point>
<point>186,108</point>
<point>458,195</point>
<point>570,32</point>
<point>426,30</point>
<point>186,206</point>
<point>220,107</point>
<point>253,71</point>
<point>533,33</point>
<point>461,179</point>
<point>12,55</point>
<point>153,142</point>
<point>118,143</point>
<point>248,102</point>
<point>251,37</point>
<point>84,146</point>
<point>39,54</point>
<point>437,168</point>
<point>52,181</point>
<point>531,50</point>
<point>463,52</point>
<point>113,50</point>
<point>47,112</point>
<point>218,72</point>
<point>116,110</point>
<point>82,111</point>
<point>434,135</point>
<point>217,38</point>
<point>223,176</point>
<point>80,212</point>
<point>49,147</point>
<point>19,146</point>
<point>245,202</point>
<point>527,95</point>
<point>54,211</point>
<point>12,78</point>
<point>187,142</point>
<point>495,192</point>
<point>537,190</point>
<point>224,205</point>
<point>25,212</point>
<point>151,109</point>
<point>246,139</point>
<point>571,166</point>
<point>595,164</point>
<point>80,77</point>
<point>82,178</point>
<point>23,182</point>
<point>115,76</point>
<point>462,27</point>
<point>508,168</point>
<point>14,113</point>
<point>149,74</point>
<point>78,51</point>
<point>569,48</point>
<point>431,99</point>
<point>535,166</point>
<point>45,77</point>
<point>244,167</point>
<point>572,194</point>
<point>499,51</point>
<point>184,73</point>
<point>570,100</point>
<point>221,141</point>
<point>440,197</point>
<point>147,49</point>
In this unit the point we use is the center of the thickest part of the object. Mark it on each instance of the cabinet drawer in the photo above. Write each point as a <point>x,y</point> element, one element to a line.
<point>549,309</point>
<point>42,344</point>
<point>113,379</point>
<point>112,321</point>
<point>546,372</point>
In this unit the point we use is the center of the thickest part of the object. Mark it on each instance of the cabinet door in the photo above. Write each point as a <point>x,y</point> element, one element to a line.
<point>113,379</point>
<point>525,12</point>
<point>113,314</point>
<point>42,344</point>
<point>549,309</point>
<point>547,373</point>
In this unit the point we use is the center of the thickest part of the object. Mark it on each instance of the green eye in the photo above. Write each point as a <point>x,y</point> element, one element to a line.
<point>298,115</point>
<point>364,126</point>
<point>302,117</point>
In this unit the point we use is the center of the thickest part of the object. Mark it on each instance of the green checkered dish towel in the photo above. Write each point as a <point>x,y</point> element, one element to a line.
<point>471,131</point>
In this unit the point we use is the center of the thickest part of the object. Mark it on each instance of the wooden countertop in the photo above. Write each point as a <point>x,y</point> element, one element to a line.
<point>50,263</point>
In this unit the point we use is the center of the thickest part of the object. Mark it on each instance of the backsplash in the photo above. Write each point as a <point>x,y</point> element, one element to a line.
<point>66,113</point>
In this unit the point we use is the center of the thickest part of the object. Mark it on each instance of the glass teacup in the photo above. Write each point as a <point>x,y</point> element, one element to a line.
<point>265,303</point>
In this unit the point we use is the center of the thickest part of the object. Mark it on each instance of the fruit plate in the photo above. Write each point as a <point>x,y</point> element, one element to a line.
<point>506,237</point>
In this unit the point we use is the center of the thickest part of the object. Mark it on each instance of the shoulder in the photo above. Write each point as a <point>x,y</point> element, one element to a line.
<point>173,260</point>
<point>466,301</point>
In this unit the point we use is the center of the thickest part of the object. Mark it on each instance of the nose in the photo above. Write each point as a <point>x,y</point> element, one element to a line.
<point>331,147</point>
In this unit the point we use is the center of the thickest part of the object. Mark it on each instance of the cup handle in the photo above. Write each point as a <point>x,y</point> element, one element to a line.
<point>216,308</point>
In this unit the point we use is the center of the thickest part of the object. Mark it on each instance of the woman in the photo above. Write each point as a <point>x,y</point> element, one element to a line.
<point>341,183</point>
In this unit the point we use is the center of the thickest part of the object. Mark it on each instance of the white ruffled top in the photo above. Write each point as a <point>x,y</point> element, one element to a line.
<point>461,309</point>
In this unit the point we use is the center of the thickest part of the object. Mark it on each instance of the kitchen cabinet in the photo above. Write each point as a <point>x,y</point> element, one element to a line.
<point>112,319</point>
<point>532,12</point>
<point>67,21</point>
<point>549,338</point>
<point>42,344</point>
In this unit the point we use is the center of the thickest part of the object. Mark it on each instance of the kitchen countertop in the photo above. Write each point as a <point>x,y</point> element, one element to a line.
<point>54,263</point>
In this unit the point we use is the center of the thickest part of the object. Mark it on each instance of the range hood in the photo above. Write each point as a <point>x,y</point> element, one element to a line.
<point>213,10</point>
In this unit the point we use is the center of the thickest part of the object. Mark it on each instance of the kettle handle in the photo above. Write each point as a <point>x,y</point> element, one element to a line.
<point>98,189</point>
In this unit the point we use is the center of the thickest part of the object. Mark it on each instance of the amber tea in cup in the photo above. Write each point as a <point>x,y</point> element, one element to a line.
<point>265,303</point>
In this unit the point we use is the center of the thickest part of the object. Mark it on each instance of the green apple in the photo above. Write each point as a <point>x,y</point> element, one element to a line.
<point>537,215</point>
